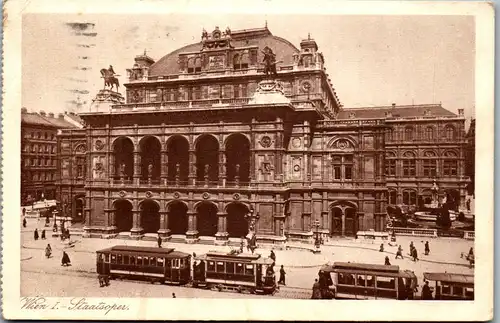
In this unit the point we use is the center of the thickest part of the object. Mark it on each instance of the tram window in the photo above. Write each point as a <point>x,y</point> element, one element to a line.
<point>220,267</point>
<point>386,282</point>
<point>361,281</point>
<point>469,292</point>
<point>230,267</point>
<point>152,261</point>
<point>101,257</point>
<point>119,259</point>
<point>139,261</point>
<point>113,259</point>
<point>132,260</point>
<point>445,289</point>
<point>249,270</point>
<point>370,281</point>
<point>181,262</point>
<point>106,257</point>
<point>211,266</point>
<point>160,262</point>
<point>125,260</point>
<point>239,268</point>
<point>175,263</point>
<point>458,291</point>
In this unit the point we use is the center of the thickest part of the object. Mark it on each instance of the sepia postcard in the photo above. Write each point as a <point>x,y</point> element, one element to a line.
<point>264,160</point>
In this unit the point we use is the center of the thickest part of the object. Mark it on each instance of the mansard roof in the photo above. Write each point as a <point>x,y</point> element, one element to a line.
<point>36,119</point>
<point>260,37</point>
<point>403,111</point>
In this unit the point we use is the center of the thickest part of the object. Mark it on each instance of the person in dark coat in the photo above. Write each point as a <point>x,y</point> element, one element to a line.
<point>24,222</point>
<point>35,235</point>
<point>381,247</point>
<point>48,251</point>
<point>387,262</point>
<point>65,261</point>
<point>411,248</point>
<point>414,254</point>
<point>427,249</point>
<point>316,290</point>
<point>282,276</point>
<point>399,253</point>
<point>173,295</point>
<point>43,234</point>
<point>159,242</point>
<point>426,291</point>
<point>272,256</point>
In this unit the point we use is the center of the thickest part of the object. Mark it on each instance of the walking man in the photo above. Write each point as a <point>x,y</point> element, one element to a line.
<point>427,249</point>
<point>399,253</point>
<point>426,291</point>
<point>65,261</point>
<point>387,262</point>
<point>35,235</point>
<point>43,234</point>
<point>282,276</point>
<point>273,256</point>
<point>24,222</point>
<point>415,254</point>
<point>159,241</point>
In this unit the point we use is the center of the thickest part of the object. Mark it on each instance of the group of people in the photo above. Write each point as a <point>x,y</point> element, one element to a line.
<point>65,261</point>
<point>36,236</point>
<point>270,269</point>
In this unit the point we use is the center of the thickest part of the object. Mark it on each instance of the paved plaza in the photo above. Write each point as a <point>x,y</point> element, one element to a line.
<point>300,264</point>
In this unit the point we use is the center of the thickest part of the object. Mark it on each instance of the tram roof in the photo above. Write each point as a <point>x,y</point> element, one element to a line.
<point>165,252</point>
<point>360,267</point>
<point>239,257</point>
<point>450,277</point>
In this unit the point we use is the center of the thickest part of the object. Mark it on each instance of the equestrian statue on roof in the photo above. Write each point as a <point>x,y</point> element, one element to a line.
<point>269,62</point>
<point>110,78</point>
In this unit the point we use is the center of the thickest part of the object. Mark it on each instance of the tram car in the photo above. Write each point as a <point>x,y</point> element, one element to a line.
<point>345,280</point>
<point>449,286</point>
<point>239,272</point>
<point>161,265</point>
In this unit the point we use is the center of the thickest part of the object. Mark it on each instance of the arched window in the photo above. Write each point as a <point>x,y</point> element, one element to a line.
<point>408,133</point>
<point>429,133</point>
<point>429,164</point>
<point>450,164</point>
<point>409,164</point>
<point>390,134</point>
<point>450,133</point>
<point>409,197</point>
<point>190,64</point>
<point>390,164</point>
<point>197,65</point>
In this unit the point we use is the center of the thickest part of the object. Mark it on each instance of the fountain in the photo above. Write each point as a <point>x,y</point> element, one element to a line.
<point>434,206</point>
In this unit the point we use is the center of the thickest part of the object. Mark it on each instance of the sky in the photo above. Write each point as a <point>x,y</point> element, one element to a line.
<point>371,60</point>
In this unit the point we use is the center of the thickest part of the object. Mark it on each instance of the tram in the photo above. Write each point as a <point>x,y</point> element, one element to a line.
<point>239,272</point>
<point>449,286</point>
<point>345,280</point>
<point>162,265</point>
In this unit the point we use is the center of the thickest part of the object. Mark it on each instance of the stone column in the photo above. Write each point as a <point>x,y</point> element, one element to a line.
<point>343,222</point>
<point>136,224</point>
<point>137,167</point>
<point>192,233</point>
<point>111,167</point>
<point>192,167</point>
<point>164,231</point>
<point>164,167</point>
<point>221,235</point>
<point>222,167</point>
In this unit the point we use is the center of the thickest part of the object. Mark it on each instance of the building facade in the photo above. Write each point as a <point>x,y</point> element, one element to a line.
<point>39,154</point>
<point>205,140</point>
<point>470,159</point>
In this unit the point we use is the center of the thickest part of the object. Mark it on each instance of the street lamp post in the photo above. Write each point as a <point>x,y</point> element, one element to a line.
<point>317,238</point>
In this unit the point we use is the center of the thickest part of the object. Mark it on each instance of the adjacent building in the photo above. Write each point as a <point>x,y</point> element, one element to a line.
<point>39,153</point>
<point>204,141</point>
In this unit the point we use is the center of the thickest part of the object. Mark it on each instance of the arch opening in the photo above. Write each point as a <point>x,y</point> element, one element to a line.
<point>150,216</point>
<point>206,219</point>
<point>238,159</point>
<point>123,215</point>
<point>177,218</point>
<point>123,150</point>
<point>207,159</point>
<point>178,160</point>
<point>150,158</point>
<point>237,225</point>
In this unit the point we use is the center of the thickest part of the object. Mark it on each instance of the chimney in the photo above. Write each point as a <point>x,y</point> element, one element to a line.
<point>51,114</point>
<point>60,116</point>
<point>394,105</point>
<point>460,112</point>
<point>42,113</point>
<point>24,110</point>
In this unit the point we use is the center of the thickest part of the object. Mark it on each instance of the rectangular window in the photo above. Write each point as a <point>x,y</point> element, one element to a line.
<point>211,266</point>
<point>160,262</point>
<point>220,267</point>
<point>386,282</point>
<point>361,280</point>
<point>126,260</point>
<point>119,259</point>
<point>450,168</point>
<point>239,268</point>
<point>337,171</point>
<point>230,268</point>
<point>390,167</point>
<point>249,270</point>
<point>343,167</point>
<point>409,168</point>
<point>429,166</point>
<point>346,279</point>
<point>113,259</point>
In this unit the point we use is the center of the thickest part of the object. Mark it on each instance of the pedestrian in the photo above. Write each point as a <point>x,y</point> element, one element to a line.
<point>316,290</point>
<point>471,253</point>
<point>426,291</point>
<point>399,253</point>
<point>65,261</point>
<point>54,228</point>
<point>415,254</point>
<point>411,248</point>
<point>427,249</point>
<point>43,234</point>
<point>282,276</point>
<point>159,241</point>
<point>468,205</point>
<point>387,262</point>
<point>173,295</point>
<point>24,211</point>
<point>35,235</point>
<point>48,251</point>
<point>24,222</point>
<point>381,247</point>
<point>68,235</point>
<point>272,256</point>
<point>101,280</point>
